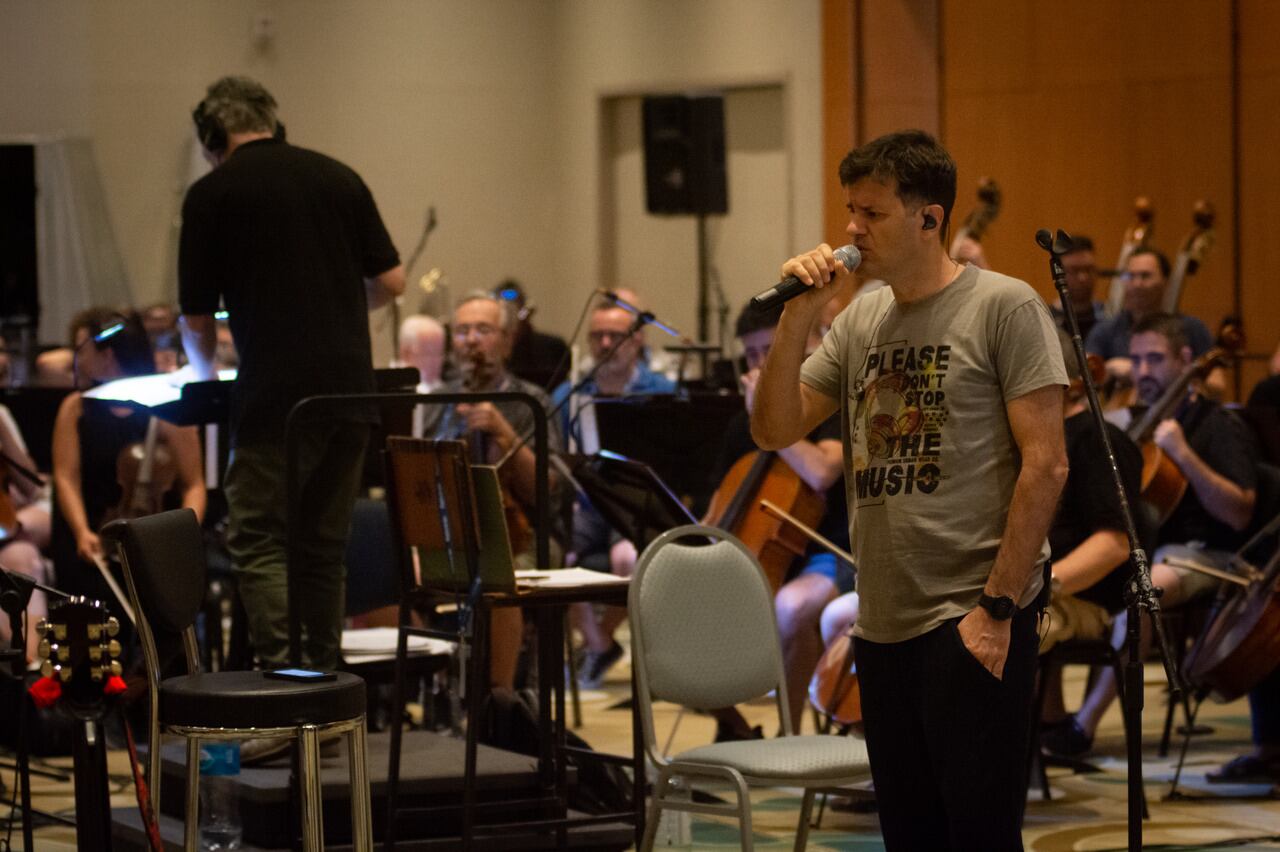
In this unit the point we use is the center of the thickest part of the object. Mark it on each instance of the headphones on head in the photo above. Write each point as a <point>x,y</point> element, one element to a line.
<point>209,130</point>
<point>929,222</point>
<point>211,133</point>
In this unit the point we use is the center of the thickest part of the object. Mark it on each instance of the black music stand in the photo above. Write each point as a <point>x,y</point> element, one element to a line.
<point>629,495</point>
<point>678,436</point>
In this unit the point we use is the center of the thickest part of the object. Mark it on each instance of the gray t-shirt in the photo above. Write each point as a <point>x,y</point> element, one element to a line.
<point>930,461</point>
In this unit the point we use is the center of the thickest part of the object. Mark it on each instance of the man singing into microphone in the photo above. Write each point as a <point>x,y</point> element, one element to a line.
<point>949,382</point>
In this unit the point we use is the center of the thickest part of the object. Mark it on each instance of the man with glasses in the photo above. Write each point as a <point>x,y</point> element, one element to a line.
<point>1146,275</point>
<point>1081,280</point>
<point>617,348</point>
<point>482,332</point>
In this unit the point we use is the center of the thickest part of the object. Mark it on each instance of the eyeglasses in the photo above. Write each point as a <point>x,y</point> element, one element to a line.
<point>602,336</point>
<point>481,329</point>
<point>1144,275</point>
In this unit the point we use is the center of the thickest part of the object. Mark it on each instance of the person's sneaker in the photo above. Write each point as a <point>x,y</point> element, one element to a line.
<point>1066,739</point>
<point>595,664</point>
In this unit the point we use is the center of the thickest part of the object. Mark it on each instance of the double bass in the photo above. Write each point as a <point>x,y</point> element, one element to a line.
<point>967,244</point>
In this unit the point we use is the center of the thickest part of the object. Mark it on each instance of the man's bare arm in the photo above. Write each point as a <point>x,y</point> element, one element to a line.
<point>786,409</point>
<point>384,287</point>
<point>200,340</point>
<point>1035,419</point>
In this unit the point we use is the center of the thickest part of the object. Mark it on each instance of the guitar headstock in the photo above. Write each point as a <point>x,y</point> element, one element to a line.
<point>79,649</point>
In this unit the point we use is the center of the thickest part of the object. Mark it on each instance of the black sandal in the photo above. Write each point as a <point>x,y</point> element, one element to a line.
<point>1246,769</point>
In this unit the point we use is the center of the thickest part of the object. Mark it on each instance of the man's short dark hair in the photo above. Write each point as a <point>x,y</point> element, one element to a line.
<point>1168,326</point>
<point>1156,253</point>
<point>923,170</point>
<point>1081,242</point>
<point>749,319</point>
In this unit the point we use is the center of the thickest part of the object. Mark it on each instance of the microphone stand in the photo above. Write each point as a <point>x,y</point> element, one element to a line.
<point>642,318</point>
<point>1140,596</point>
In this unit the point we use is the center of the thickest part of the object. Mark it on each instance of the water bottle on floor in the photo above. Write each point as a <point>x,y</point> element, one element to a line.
<point>219,807</point>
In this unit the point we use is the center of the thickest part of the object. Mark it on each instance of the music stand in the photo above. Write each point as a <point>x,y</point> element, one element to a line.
<point>629,495</point>
<point>679,437</point>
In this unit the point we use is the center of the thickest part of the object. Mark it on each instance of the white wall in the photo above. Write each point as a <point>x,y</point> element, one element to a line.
<point>606,50</point>
<point>490,110</point>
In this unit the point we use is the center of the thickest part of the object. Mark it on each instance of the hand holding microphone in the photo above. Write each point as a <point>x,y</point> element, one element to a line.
<point>817,269</point>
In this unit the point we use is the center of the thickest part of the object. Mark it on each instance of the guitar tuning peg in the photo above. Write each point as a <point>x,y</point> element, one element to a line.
<point>46,669</point>
<point>44,649</point>
<point>64,675</point>
<point>113,626</point>
<point>116,668</point>
<point>60,632</point>
<point>94,632</point>
<point>64,653</point>
<point>95,673</point>
<point>113,648</point>
<point>95,652</point>
<point>42,626</point>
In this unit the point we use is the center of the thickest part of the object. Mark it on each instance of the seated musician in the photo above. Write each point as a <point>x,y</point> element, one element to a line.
<point>88,438</point>
<point>1088,538</point>
<point>1146,277</point>
<point>595,544</point>
<point>27,531</point>
<point>819,576</point>
<point>1082,281</point>
<point>1215,453</point>
<point>482,329</point>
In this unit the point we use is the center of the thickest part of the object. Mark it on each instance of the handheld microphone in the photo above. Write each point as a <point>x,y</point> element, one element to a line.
<point>791,286</point>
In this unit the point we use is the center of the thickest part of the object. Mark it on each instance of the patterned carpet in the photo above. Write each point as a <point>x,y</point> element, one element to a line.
<point>1087,812</point>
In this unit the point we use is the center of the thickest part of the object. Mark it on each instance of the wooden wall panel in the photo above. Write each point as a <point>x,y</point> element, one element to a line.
<point>1259,92</point>
<point>1075,109</point>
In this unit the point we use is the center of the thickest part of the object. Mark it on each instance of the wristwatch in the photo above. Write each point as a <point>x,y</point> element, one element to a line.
<point>1001,608</point>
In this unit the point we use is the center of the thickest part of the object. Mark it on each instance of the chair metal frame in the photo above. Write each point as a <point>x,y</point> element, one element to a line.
<point>308,736</point>
<point>671,768</point>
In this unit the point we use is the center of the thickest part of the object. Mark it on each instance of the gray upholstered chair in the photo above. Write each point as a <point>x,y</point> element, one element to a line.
<point>704,636</point>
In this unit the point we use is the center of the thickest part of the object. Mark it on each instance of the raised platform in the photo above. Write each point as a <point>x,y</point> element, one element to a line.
<point>431,776</point>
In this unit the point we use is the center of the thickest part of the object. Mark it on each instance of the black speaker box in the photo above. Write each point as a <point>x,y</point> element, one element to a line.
<point>18,289</point>
<point>684,165</point>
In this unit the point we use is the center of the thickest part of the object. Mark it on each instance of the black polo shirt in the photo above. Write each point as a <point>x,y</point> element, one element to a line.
<point>1089,502</point>
<point>285,237</point>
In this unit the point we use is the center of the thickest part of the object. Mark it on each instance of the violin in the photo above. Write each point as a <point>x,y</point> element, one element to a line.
<point>481,375</point>
<point>1163,484</point>
<point>735,507</point>
<point>145,470</point>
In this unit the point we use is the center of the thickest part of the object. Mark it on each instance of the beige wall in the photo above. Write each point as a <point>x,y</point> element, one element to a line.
<point>490,110</point>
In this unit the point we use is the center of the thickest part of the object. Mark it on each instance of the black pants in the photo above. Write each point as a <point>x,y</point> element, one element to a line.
<point>947,740</point>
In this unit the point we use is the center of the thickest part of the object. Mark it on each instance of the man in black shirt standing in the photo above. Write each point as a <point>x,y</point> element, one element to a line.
<point>291,242</point>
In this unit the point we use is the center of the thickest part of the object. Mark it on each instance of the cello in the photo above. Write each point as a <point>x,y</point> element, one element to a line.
<point>735,507</point>
<point>1137,235</point>
<point>1192,254</point>
<point>833,689</point>
<point>1240,645</point>
<point>1163,484</point>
